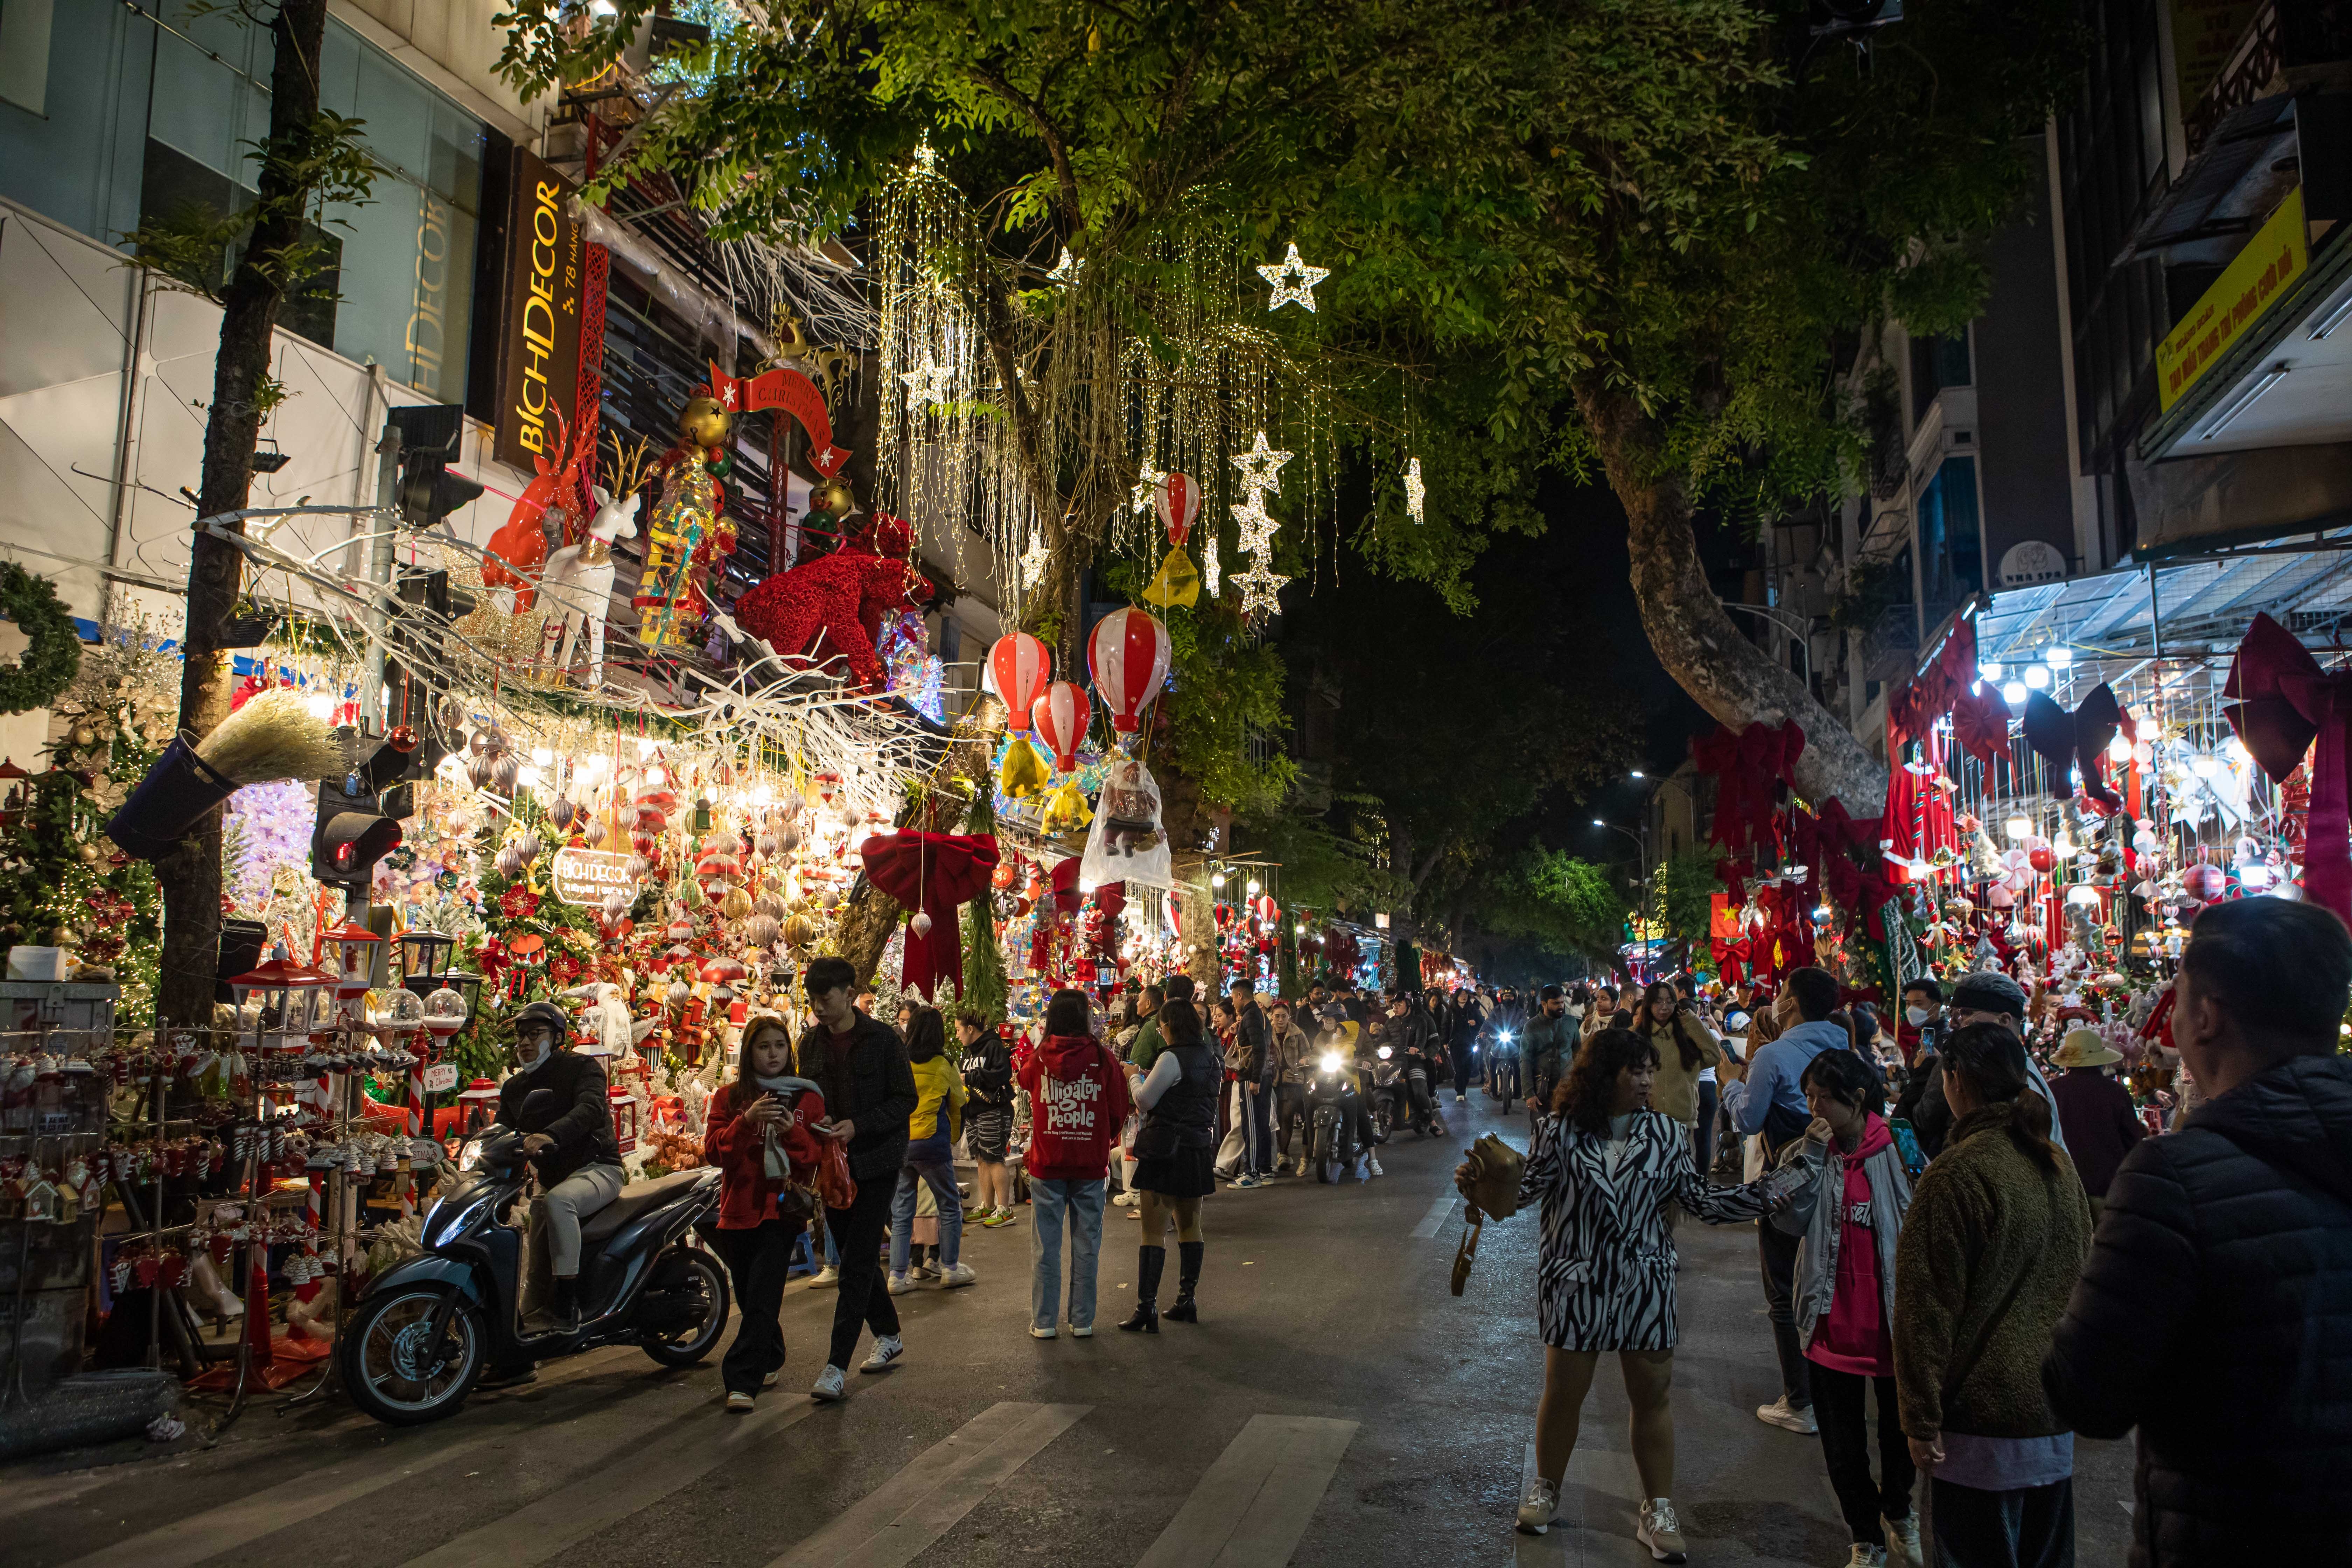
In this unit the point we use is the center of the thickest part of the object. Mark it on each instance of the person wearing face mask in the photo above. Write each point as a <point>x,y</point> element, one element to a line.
<point>1547,1048</point>
<point>757,1136</point>
<point>571,1141</point>
<point>1979,997</point>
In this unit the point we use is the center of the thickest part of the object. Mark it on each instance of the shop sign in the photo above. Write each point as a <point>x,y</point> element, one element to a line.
<point>440,1078</point>
<point>2279,254</point>
<point>2030,562</point>
<point>539,329</point>
<point>586,876</point>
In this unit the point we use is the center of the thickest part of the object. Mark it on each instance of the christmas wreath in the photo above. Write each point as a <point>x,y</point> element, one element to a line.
<point>54,656</point>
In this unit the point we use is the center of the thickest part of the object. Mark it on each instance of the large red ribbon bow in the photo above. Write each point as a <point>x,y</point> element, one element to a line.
<point>933,872</point>
<point>2284,702</point>
<point>1749,764</point>
<point>2066,741</point>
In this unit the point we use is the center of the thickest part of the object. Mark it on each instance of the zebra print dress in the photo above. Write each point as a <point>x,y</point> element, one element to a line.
<point>1605,1274</point>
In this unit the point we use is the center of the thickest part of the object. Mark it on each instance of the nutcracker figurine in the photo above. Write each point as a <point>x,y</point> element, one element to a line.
<point>689,534</point>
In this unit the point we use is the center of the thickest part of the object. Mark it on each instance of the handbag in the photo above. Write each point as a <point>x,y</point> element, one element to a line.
<point>1493,1170</point>
<point>1155,1140</point>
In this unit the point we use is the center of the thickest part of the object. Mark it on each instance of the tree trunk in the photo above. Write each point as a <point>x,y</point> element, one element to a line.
<point>1700,647</point>
<point>871,916</point>
<point>189,877</point>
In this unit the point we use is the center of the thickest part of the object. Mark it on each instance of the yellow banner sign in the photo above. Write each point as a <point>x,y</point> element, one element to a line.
<point>2277,256</point>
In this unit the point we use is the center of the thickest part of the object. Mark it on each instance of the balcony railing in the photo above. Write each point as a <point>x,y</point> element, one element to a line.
<point>2284,35</point>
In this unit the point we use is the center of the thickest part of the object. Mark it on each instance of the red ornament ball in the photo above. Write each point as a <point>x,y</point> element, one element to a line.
<point>2041,860</point>
<point>401,737</point>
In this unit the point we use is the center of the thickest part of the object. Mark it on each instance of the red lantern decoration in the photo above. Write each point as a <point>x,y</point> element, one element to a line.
<point>1061,717</point>
<point>1020,665</point>
<point>1128,657</point>
<point>1176,499</point>
<point>2040,859</point>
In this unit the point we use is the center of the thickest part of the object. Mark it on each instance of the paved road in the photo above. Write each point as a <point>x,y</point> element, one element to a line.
<point>1336,1405</point>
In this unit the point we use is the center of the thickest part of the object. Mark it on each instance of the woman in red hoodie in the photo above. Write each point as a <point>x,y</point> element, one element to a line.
<point>758,1134</point>
<point>1078,1098</point>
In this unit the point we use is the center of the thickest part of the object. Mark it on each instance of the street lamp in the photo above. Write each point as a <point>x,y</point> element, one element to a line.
<point>1642,849</point>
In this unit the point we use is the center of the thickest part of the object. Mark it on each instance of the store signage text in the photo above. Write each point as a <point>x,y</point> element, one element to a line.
<point>586,876</point>
<point>2279,254</point>
<point>539,349</point>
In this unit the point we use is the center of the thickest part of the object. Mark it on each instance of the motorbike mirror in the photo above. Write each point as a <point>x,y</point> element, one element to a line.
<point>538,1101</point>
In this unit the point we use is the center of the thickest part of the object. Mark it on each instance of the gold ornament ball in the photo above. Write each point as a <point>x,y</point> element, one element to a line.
<point>88,852</point>
<point>703,422</point>
<point>834,497</point>
<point>83,735</point>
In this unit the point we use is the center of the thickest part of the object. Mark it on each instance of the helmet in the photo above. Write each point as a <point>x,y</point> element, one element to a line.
<point>544,1012</point>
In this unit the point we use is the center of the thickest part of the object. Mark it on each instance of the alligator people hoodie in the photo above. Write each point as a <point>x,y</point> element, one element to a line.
<point>1077,1095</point>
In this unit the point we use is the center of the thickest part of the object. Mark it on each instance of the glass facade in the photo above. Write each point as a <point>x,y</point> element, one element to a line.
<point>145,118</point>
<point>1951,539</point>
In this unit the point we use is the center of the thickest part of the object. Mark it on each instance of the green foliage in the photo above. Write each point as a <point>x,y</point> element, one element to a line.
<point>984,986</point>
<point>1325,869</point>
<point>1563,905</point>
<point>1682,893</point>
<point>1227,691</point>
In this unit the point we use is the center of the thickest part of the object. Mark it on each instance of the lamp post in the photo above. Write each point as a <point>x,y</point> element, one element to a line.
<point>1642,849</point>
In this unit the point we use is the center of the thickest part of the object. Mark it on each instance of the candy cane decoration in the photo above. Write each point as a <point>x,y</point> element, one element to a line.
<point>416,1099</point>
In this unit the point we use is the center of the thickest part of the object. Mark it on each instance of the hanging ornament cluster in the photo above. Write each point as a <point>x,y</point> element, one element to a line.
<point>1176,498</point>
<point>1260,469</point>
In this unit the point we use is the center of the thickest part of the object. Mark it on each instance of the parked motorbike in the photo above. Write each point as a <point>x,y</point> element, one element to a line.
<point>1331,1112</point>
<point>427,1327</point>
<point>1389,1108</point>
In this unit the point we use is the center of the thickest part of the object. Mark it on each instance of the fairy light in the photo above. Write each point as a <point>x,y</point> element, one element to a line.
<point>1281,278</point>
<point>1414,491</point>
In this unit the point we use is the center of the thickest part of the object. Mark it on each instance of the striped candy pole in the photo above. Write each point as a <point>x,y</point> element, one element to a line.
<point>315,1206</point>
<point>416,1100</point>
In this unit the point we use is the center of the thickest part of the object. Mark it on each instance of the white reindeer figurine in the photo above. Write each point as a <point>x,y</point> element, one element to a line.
<point>578,578</point>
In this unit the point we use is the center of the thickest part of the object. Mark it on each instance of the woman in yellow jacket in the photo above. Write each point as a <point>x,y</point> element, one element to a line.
<point>1686,1048</point>
<point>932,1133</point>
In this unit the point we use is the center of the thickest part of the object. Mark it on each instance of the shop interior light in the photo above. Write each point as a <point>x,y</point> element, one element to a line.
<point>543,756</point>
<point>657,776</point>
<point>2120,748</point>
<point>1254,888</point>
<point>1991,670</point>
<point>646,747</point>
<point>2015,694</point>
<point>2205,765</point>
<point>1216,878</point>
<point>529,777</point>
<point>321,705</point>
<point>2236,749</point>
<point>2058,656</point>
<point>2020,829</point>
<point>2037,676</point>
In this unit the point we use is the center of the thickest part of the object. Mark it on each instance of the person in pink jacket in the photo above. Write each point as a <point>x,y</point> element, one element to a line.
<point>1078,1101</point>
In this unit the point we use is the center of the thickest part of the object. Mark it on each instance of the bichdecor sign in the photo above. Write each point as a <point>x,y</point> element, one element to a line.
<point>539,330</point>
<point>586,876</point>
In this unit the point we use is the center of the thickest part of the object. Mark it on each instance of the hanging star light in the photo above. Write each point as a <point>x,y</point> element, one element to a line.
<point>927,387</point>
<point>1259,588</point>
<point>1414,491</point>
<point>1257,525</point>
<point>925,158</point>
<point>1211,574</point>
<point>1287,292</point>
<point>1033,560</point>
<point>1147,486</point>
<point>1065,271</point>
<point>1261,466</point>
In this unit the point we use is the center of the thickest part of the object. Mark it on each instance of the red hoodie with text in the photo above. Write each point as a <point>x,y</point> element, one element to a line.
<point>1077,1103</point>
<point>1854,1335</point>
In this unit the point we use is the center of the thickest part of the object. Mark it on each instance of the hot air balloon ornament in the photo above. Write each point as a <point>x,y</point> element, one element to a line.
<point>1060,716</point>
<point>1177,499</point>
<point>1020,665</point>
<point>1127,655</point>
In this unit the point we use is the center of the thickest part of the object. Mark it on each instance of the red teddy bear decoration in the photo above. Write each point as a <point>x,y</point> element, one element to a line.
<point>837,602</point>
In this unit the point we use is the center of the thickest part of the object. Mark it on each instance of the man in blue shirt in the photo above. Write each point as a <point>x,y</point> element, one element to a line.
<point>1774,1105</point>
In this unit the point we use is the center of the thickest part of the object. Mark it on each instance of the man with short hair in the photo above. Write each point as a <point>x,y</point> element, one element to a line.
<point>1546,1049</point>
<point>1291,1071</point>
<point>1774,1105</point>
<point>1979,997</point>
<point>2211,1313</point>
<point>869,1093</point>
<point>1254,1060</point>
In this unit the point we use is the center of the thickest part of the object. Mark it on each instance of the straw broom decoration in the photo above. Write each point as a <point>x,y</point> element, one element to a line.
<point>273,736</point>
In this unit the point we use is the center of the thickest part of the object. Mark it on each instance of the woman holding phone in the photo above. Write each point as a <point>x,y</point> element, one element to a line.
<point>755,1135</point>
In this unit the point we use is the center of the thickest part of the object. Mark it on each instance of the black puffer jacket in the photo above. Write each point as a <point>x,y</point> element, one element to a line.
<point>580,1120</point>
<point>2215,1314</point>
<point>873,1084</point>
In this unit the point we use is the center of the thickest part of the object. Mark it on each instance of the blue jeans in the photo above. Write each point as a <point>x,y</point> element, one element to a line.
<point>941,1175</point>
<point>1049,1201</point>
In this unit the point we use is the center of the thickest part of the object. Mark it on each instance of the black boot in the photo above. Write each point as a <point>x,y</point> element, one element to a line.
<point>1148,1263</point>
<point>1182,1310</point>
<point>564,1303</point>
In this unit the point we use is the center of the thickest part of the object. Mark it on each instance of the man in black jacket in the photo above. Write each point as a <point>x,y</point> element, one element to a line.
<point>869,1092</point>
<point>1254,1050</point>
<point>571,1141</point>
<point>2211,1312</point>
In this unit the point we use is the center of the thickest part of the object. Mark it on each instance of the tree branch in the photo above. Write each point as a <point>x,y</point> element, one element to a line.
<point>1057,143</point>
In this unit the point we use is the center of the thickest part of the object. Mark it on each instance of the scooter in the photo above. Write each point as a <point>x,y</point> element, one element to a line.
<point>427,1327</point>
<point>1389,1108</point>
<point>1331,1116</point>
<point>1423,1114</point>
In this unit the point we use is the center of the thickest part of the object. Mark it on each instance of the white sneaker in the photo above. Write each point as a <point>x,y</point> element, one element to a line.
<point>770,1381</point>
<point>1903,1539</point>
<point>1866,1556</point>
<point>1461,1099</point>
<point>1780,1414</point>
<point>828,1385</point>
<point>887,1352</point>
<point>901,1284</point>
<point>1125,1200</point>
<point>740,1401</point>
<point>1373,1164</point>
<point>1037,1333</point>
<point>828,1275</point>
<point>1661,1532</point>
<point>955,1275</point>
<point>1538,1506</point>
<point>1082,1331</point>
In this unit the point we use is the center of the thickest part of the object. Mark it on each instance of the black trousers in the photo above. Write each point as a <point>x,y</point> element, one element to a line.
<point>1461,1068</point>
<point>864,1292</point>
<point>1290,1104</point>
<point>2032,1527</point>
<point>1703,1132</point>
<point>1779,1256</point>
<point>1845,1448</point>
<point>758,1260</point>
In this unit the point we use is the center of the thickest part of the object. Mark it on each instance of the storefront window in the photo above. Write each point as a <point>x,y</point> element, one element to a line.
<point>1950,543</point>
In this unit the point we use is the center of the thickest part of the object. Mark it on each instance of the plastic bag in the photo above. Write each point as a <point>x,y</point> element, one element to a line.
<point>1127,843</point>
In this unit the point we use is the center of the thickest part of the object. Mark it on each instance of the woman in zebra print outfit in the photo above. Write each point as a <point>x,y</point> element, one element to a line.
<point>1606,1170</point>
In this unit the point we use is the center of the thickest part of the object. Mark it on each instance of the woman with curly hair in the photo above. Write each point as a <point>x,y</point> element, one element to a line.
<point>1606,1168</point>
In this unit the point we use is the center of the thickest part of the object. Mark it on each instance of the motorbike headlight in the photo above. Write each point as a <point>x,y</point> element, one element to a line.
<point>1384,1053</point>
<point>436,1230</point>
<point>1331,1062</point>
<point>469,1154</point>
<point>1504,1036</point>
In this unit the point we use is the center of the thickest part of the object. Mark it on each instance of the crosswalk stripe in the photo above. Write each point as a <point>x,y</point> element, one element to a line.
<point>901,1520</point>
<point>1432,1222</point>
<point>1252,1507</point>
<point>675,1456</point>
<point>307,1496</point>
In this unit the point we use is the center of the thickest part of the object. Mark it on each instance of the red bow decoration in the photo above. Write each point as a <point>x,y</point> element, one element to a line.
<point>1748,766</point>
<point>2067,741</point>
<point>1980,722</point>
<point>2284,703</point>
<point>934,872</point>
<point>1936,689</point>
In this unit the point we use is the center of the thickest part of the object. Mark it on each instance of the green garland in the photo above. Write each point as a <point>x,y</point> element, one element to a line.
<point>48,665</point>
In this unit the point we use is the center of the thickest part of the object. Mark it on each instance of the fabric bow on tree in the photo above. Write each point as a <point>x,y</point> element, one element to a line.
<point>1750,766</point>
<point>2283,703</point>
<point>2066,741</point>
<point>934,873</point>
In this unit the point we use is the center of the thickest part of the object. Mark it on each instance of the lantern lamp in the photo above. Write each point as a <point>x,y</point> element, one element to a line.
<point>444,1013</point>
<point>355,952</point>
<point>2020,828</point>
<point>402,1014</point>
<point>423,952</point>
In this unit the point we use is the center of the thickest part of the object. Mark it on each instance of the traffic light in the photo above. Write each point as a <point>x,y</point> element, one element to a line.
<point>428,439</point>
<point>358,820</point>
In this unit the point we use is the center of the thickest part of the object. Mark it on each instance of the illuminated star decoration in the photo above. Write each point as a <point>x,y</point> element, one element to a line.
<point>927,387</point>
<point>1147,487</point>
<point>1211,572</point>
<point>1414,491</point>
<point>1261,466</point>
<point>1257,525</point>
<point>1287,292</point>
<point>1067,270</point>
<point>1033,560</point>
<point>1258,588</point>
<point>924,157</point>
